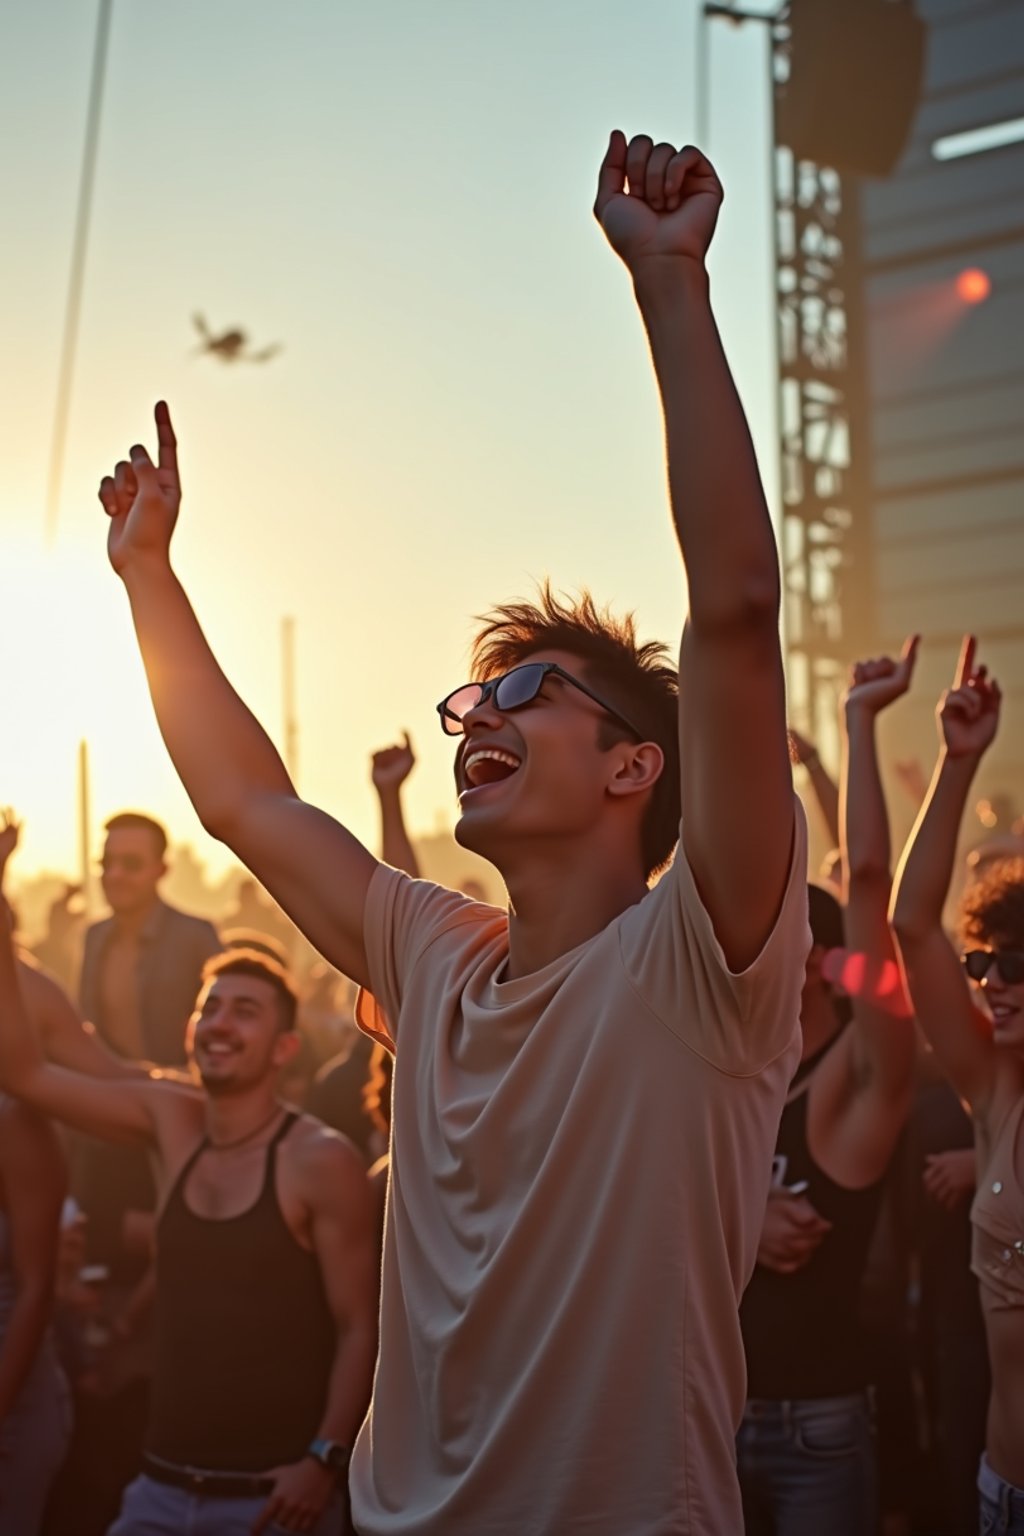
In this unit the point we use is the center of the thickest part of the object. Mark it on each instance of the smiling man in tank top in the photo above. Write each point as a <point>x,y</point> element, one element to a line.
<point>588,1086</point>
<point>265,1258</point>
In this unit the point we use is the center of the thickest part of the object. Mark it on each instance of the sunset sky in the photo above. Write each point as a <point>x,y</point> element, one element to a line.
<point>400,194</point>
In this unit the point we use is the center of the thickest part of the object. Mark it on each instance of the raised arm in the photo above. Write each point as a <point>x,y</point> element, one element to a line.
<point>737,794</point>
<point>968,717</point>
<point>115,1108</point>
<point>390,767</point>
<point>881,1044</point>
<point>316,870</point>
<point>823,786</point>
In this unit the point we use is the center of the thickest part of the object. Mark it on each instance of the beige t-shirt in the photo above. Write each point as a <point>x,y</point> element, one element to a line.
<point>580,1165</point>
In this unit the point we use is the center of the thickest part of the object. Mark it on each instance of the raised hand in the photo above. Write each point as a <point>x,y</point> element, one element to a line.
<point>968,713</point>
<point>876,683</point>
<point>671,207</point>
<point>10,831</point>
<point>391,766</point>
<point>142,499</point>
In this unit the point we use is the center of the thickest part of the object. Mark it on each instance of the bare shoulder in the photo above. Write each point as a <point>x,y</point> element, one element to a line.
<point>322,1161</point>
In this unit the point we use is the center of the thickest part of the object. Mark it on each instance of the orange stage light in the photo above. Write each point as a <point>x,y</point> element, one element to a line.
<point>973,285</point>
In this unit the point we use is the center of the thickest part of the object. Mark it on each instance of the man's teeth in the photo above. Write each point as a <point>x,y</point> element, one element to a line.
<point>487,754</point>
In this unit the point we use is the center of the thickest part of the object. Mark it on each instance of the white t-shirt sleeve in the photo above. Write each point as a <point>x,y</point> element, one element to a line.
<point>737,1021</point>
<point>401,919</point>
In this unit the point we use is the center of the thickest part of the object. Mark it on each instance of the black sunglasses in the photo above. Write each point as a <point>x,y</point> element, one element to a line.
<point>1008,962</point>
<point>511,691</point>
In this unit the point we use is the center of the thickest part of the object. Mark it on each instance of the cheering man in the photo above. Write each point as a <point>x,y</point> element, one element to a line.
<point>588,1085</point>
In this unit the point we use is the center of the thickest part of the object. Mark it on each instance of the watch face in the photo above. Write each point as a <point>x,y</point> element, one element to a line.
<point>331,1454</point>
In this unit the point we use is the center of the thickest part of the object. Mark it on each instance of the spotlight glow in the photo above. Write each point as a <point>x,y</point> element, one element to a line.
<point>973,285</point>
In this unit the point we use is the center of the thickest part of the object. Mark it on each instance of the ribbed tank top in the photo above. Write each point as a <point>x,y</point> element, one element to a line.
<point>245,1338</point>
<point>802,1332</point>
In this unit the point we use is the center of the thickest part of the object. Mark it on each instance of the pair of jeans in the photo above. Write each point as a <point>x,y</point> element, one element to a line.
<point>159,1509</point>
<point>809,1466</point>
<point>1001,1505</point>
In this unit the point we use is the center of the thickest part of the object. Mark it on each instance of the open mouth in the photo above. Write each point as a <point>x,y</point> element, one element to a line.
<point>488,765</point>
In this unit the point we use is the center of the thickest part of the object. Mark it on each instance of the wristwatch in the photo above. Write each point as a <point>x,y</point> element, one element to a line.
<point>330,1454</point>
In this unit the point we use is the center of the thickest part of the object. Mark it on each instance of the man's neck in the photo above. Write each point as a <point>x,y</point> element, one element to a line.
<point>563,901</point>
<point>235,1117</point>
<point>130,924</point>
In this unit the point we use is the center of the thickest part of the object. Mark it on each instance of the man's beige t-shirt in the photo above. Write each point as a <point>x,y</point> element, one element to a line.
<point>580,1165</point>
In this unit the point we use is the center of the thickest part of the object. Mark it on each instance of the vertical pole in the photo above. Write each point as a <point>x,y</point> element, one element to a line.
<point>73,307</point>
<point>291,729</point>
<point>84,831</point>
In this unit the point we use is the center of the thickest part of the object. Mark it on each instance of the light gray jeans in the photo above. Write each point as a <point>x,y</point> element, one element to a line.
<point>150,1508</point>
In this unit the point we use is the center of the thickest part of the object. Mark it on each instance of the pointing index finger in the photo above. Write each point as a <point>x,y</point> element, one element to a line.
<point>965,666</point>
<point>167,457</point>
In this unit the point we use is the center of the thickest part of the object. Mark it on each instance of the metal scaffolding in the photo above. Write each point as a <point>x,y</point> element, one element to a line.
<point>826,542</point>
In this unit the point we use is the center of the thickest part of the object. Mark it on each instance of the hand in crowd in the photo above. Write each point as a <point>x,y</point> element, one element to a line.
<point>391,766</point>
<point>671,208</point>
<point>142,499</point>
<point>876,683</point>
<point>791,1232</point>
<point>949,1177</point>
<point>10,832</point>
<point>301,1493</point>
<point>802,752</point>
<point>968,713</point>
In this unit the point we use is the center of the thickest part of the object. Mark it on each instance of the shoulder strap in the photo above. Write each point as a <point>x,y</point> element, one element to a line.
<point>272,1146</point>
<point>178,1186</point>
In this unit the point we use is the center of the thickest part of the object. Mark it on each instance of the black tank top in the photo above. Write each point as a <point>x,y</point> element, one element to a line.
<point>245,1338</point>
<point>802,1333</point>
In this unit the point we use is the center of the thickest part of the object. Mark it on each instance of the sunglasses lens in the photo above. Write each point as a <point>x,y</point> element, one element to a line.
<point>457,705</point>
<point>977,962</point>
<point>1010,965</point>
<point>520,685</point>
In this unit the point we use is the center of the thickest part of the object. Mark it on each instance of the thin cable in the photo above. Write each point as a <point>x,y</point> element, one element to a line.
<point>73,307</point>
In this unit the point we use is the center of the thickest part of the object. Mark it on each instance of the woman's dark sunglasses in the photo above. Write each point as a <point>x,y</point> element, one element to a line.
<point>511,691</point>
<point>1008,962</point>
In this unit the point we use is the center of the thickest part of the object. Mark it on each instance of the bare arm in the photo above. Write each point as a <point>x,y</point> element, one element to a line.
<point>315,869</point>
<point>968,719</point>
<point>66,1039</point>
<point>823,786</point>
<point>882,1045</point>
<point>391,766</point>
<point>34,1185</point>
<point>737,791</point>
<point>115,1108</point>
<point>345,1242</point>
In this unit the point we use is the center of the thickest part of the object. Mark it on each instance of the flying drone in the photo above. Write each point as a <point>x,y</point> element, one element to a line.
<point>231,346</point>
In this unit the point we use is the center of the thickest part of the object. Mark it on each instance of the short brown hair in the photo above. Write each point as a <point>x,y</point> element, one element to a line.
<point>638,679</point>
<point>137,821</point>
<point>249,962</point>
<point>992,907</point>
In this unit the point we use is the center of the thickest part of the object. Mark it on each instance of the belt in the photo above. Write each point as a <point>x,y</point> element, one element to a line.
<point>208,1484</point>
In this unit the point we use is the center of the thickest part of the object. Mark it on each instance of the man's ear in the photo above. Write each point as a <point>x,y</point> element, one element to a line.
<point>636,767</point>
<point>286,1047</point>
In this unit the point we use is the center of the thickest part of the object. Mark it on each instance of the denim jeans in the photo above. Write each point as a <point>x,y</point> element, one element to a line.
<point>808,1467</point>
<point>1001,1504</point>
<point>158,1509</point>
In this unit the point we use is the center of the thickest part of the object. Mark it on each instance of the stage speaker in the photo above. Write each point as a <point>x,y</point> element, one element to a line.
<point>854,82</point>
